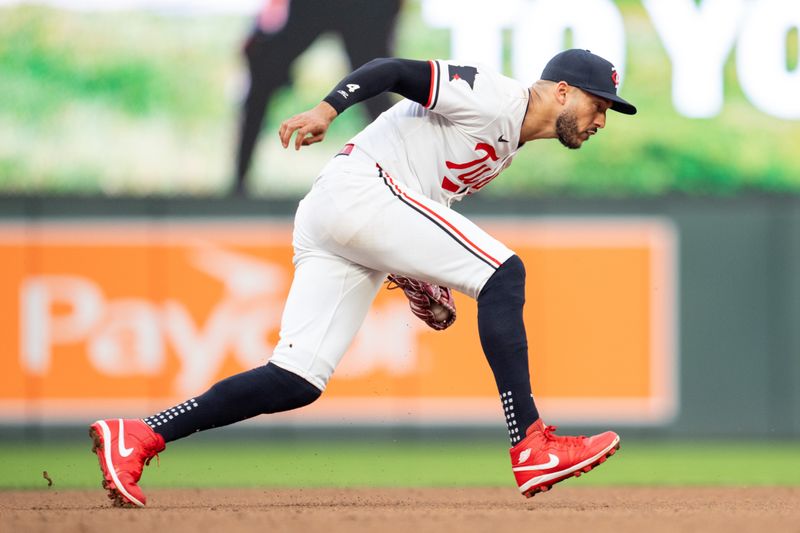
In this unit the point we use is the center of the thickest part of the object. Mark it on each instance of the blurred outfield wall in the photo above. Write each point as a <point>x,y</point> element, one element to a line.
<point>678,316</point>
<point>655,310</point>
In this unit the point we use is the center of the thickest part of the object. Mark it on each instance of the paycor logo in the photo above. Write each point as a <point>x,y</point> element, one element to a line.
<point>129,336</point>
<point>135,314</point>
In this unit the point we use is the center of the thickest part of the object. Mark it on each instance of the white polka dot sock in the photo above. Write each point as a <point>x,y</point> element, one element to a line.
<point>166,415</point>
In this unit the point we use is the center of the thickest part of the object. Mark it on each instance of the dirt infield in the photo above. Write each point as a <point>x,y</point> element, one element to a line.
<point>617,509</point>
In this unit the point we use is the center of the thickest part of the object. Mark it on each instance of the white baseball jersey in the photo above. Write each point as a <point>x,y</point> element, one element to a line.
<point>468,134</point>
<point>382,205</point>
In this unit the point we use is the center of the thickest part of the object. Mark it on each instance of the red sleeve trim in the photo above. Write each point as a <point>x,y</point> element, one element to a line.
<point>433,83</point>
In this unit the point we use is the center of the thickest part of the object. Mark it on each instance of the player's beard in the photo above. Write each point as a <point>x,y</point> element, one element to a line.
<point>567,130</point>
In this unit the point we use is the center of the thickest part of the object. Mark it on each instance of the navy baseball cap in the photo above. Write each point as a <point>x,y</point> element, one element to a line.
<point>590,72</point>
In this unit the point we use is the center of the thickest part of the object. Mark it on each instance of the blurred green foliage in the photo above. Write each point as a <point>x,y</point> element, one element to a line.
<point>140,103</point>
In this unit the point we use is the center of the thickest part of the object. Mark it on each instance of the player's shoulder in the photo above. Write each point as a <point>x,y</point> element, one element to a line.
<point>476,76</point>
<point>464,70</point>
<point>475,97</point>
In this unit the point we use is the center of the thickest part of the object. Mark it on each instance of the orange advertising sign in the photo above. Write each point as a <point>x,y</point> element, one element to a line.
<point>127,318</point>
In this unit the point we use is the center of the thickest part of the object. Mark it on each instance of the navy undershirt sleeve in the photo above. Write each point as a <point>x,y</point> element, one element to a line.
<point>407,77</point>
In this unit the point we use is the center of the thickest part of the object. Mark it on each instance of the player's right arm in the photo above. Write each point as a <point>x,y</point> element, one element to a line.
<point>407,77</point>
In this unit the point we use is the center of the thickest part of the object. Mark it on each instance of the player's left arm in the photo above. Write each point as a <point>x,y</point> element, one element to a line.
<point>310,126</point>
<point>407,77</point>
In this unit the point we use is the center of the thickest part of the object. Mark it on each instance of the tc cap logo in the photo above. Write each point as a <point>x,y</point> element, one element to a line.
<point>615,78</point>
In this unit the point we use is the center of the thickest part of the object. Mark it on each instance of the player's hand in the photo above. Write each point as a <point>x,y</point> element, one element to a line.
<point>310,126</point>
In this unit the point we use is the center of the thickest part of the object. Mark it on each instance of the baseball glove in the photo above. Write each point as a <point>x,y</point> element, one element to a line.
<point>433,304</point>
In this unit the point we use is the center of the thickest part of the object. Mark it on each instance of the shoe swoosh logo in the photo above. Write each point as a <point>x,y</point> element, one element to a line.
<point>552,463</point>
<point>524,456</point>
<point>123,451</point>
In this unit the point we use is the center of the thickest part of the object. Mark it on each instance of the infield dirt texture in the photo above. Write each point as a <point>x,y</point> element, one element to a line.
<point>595,509</point>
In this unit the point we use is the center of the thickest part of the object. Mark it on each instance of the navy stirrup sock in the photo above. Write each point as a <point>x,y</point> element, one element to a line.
<point>266,389</point>
<point>502,333</point>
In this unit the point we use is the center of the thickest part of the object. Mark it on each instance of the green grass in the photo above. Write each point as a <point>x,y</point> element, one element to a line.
<point>401,464</point>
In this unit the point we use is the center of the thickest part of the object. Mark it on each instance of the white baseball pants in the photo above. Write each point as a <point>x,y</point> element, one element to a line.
<point>356,225</point>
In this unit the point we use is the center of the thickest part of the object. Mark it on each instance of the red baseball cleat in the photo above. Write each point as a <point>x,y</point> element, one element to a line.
<point>542,459</point>
<point>123,448</point>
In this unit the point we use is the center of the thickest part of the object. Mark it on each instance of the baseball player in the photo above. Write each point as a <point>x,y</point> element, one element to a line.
<point>380,206</point>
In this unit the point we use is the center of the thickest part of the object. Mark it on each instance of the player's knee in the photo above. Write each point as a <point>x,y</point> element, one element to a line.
<point>267,389</point>
<point>507,282</point>
<point>297,391</point>
<point>307,394</point>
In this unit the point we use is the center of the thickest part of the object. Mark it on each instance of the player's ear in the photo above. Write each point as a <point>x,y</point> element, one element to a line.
<point>560,91</point>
